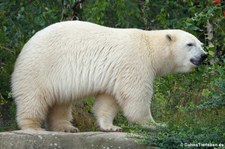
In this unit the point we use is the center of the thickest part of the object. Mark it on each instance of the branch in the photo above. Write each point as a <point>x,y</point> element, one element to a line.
<point>76,9</point>
<point>209,31</point>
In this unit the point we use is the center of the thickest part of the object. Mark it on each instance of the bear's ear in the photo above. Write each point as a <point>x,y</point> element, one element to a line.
<point>170,37</point>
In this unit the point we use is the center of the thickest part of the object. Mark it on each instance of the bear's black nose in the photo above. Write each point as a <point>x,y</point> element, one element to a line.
<point>203,57</point>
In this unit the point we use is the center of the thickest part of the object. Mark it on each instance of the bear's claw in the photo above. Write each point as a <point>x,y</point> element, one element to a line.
<point>112,129</point>
<point>65,128</point>
<point>71,129</point>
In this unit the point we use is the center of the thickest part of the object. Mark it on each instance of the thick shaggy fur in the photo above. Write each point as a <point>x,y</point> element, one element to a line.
<point>71,60</point>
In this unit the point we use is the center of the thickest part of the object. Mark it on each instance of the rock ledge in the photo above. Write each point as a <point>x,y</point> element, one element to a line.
<point>57,140</point>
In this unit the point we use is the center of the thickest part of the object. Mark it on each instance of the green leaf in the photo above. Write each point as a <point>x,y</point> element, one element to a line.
<point>211,53</point>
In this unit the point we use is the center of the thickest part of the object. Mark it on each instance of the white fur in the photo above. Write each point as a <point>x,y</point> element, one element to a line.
<point>71,60</point>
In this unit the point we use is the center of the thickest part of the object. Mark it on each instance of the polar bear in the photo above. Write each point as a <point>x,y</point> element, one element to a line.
<point>71,60</point>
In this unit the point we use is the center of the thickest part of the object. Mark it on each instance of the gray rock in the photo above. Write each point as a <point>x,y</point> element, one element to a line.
<point>58,140</point>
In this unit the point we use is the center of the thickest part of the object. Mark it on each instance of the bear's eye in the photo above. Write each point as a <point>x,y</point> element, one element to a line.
<point>190,44</point>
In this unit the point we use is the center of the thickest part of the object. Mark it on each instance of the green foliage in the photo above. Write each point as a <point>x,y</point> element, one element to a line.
<point>122,13</point>
<point>182,135</point>
<point>216,94</point>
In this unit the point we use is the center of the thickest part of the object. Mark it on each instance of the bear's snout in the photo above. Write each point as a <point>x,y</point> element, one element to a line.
<point>198,60</point>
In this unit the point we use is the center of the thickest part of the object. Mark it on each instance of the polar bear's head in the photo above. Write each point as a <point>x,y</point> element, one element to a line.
<point>186,50</point>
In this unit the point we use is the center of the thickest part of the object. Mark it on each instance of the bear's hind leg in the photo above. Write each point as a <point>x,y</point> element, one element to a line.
<point>105,109</point>
<point>30,112</point>
<point>60,117</point>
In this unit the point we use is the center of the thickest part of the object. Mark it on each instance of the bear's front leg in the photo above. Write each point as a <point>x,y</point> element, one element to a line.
<point>135,100</point>
<point>139,112</point>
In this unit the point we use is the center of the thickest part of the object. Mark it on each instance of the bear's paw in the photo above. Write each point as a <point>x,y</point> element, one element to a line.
<point>111,128</point>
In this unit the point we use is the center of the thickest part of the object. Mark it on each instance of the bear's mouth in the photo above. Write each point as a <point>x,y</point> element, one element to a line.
<point>196,62</point>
